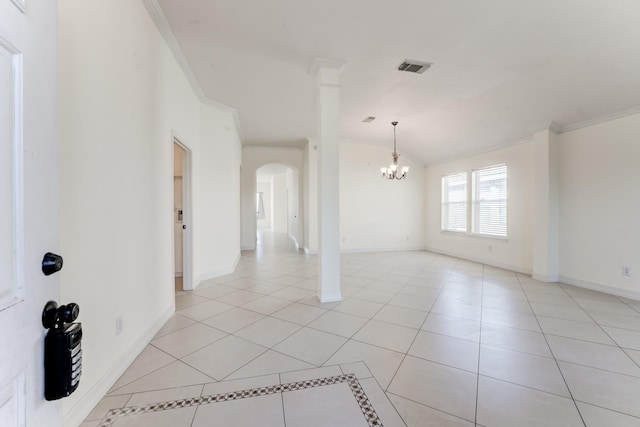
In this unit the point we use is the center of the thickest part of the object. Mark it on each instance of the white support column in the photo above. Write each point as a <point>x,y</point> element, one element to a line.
<point>328,110</point>
<point>546,227</point>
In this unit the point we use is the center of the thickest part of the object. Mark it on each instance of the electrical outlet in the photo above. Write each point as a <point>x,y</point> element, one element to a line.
<point>118,325</point>
<point>626,271</point>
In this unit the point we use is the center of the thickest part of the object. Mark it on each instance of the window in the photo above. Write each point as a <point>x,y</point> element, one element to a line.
<point>489,201</point>
<point>259,206</point>
<point>454,202</point>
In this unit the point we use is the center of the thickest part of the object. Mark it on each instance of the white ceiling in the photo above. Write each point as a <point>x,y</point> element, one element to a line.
<point>502,68</point>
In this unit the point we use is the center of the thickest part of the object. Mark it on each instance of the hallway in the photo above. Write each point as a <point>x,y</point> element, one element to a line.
<point>420,339</point>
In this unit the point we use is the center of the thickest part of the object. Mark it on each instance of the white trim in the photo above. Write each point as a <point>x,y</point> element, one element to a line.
<point>295,241</point>
<point>510,267</point>
<point>602,119</point>
<point>234,113</point>
<point>369,250</point>
<point>13,399</point>
<point>20,4</point>
<point>219,272</point>
<point>376,250</point>
<point>545,278</point>
<point>77,414</point>
<point>552,127</point>
<point>18,173</point>
<point>159,18</point>
<point>16,103</point>
<point>189,282</point>
<point>612,290</point>
<point>480,151</point>
<point>330,297</point>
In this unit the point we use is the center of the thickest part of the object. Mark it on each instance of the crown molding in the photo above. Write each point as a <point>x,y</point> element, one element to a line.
<point>157,15</point>
<point>479,151</point>
<point>552,127</point>
<point>602,119</point>
<point>159,18</point>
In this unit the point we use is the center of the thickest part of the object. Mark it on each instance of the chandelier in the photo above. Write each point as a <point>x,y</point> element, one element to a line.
<point>392,171</point>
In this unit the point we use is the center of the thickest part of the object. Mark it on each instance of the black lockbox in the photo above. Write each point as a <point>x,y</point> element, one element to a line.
<point>62,350</point>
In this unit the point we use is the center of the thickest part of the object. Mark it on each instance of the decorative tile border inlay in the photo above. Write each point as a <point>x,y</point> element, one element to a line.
<point>363,401</point>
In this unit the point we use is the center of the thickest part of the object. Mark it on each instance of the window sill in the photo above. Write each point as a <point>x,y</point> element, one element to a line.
<point>483,236</point>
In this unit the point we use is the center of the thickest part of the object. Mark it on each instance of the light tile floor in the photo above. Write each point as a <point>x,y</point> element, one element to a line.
<point>430,340</point>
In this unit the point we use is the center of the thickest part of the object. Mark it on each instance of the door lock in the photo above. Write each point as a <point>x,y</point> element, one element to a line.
<point>51,263</point>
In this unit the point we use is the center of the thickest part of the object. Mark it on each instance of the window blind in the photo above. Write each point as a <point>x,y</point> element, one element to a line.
<point>454,202</point>
<point>489,201</point>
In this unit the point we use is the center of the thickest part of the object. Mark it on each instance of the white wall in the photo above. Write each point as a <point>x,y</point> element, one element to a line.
<point>294,206</point>
<point>310,196</point>
<point>217,195</point>
<point>122,95</point>
<point>516,251</point>
<point>376,213</point>
<point>599,172</point>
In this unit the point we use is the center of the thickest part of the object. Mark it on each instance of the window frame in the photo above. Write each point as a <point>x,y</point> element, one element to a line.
<point>496,202</point>
<point>474,205</point>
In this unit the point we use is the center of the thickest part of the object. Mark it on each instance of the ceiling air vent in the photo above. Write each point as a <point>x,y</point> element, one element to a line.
<point>414,66</point>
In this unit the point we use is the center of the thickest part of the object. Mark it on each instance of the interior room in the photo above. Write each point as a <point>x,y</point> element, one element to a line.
<point>420,213</point>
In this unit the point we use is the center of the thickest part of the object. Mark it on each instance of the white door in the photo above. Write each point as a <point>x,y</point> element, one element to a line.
<point>28,205</point>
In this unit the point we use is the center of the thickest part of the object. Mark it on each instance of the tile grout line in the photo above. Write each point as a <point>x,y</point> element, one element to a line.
<point>420,329</point>
<point>479,346</point>
<point>553,354</point>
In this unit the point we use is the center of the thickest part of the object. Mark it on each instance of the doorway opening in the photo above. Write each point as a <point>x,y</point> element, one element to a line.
<point>277,204</point>
<point>182,214</point>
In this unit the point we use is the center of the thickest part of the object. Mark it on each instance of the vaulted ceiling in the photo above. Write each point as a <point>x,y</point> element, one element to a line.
<point>502,69</point>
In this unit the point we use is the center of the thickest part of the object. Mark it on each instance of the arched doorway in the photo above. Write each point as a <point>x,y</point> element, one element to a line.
<point>278,202</point>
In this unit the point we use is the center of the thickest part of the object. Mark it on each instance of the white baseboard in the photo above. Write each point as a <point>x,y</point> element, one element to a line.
<point>331,297</point>
<point>368,250</point>
<point>515,268</point>
<point>77,414</point>
<point>295,241</point>
<point>376,250</point>
<point>219,272</point>
<point>545,278</point>
<point>613,290</point>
